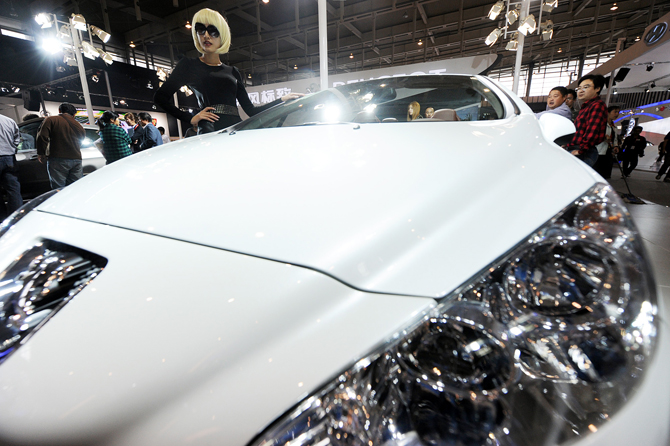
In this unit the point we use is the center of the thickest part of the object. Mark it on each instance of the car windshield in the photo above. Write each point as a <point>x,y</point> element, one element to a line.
<point>412,98</point>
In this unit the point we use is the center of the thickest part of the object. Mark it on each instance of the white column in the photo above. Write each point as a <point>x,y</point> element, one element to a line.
<point>525,8</point>
<point>323,44</point>
<point>82,73</point>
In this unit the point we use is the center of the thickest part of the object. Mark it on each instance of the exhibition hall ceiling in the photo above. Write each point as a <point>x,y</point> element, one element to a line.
<point>273,40</point>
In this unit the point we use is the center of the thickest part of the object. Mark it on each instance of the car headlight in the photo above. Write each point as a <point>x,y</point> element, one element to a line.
<point>542,347</point>
<point>37,285</point>
<point>24,210</point>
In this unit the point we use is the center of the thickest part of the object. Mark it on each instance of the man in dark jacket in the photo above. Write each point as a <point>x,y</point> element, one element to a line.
<point>632,148</point>
<point>151,137</point>
<point>59,144</point>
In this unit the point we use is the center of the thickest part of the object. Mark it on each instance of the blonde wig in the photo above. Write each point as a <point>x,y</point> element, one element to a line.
<point>210,17</point>
<point>416,108</point>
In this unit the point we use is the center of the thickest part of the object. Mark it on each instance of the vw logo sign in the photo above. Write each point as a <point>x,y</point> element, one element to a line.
<point>656,33</point>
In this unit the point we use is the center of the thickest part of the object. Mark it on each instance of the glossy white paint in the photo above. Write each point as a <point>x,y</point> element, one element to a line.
<point>176,342</point>
<point>334,203</point>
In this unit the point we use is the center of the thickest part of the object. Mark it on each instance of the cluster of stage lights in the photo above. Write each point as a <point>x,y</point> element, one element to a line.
<point>526,26</point>
<point>62,42</point>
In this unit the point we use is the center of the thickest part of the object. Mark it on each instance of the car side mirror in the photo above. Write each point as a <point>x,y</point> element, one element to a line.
<point>555,126</point>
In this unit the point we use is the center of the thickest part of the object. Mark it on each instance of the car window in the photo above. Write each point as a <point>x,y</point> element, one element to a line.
<point>28,135</point>
<point>91,136</point>
<point>451,98</point>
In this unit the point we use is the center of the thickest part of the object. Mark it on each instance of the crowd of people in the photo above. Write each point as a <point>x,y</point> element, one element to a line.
<point>596,141</point>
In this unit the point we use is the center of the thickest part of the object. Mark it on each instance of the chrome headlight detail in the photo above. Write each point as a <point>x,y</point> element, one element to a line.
<point>37,285</point>
<point>540,348</point>
<point>23,211</point>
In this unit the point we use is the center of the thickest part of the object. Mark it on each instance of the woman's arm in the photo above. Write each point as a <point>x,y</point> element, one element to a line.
<point>164,95</point>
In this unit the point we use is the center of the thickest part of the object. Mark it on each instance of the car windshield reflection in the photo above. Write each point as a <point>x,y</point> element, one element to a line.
<point>406,99</point>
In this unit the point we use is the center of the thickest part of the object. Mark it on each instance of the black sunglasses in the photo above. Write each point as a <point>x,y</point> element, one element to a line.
<point>211,29</point>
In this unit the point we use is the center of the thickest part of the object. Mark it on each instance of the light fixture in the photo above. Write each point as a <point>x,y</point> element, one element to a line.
<point>496,10</point>
<point>637,39</point>
<point>249,75</point>
<point>615,92</point>
<point>405,15</point>
<point>43,20</point>
<point>103,35</point>
<point>560,50</point>
<point>351,55</point>
<point>52,45</point>
<point>650,66</point>
<point>512,16</point>
<point>106,57</point>
<point>494,36</point>
<point>116,102</point>
<point>188,25</point>
<point>646,90</point>
<point>122,102</point>
<point>614,7</point>
<point>16,89</point>
<point>653,84</point>
<point>60,69</point>
<point>78,21</point>
<point>69,58</point>
<point>549,5</point>
<point>131,44</point>
<point>266,1</point>
<point>547,30</point>
<point>513,44</point>
<point>528,25</point>
<point>420,42</point>
<point>295,67</point>
<point>153,107</point>
<point>95,78</point>
<point>89,50</point>
<point>162,75</point>
<point>150,85</point>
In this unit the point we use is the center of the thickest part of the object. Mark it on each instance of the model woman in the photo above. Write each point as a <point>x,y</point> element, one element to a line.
<point>413,111</point>
<point>217,86</point>
<point>115,141</point>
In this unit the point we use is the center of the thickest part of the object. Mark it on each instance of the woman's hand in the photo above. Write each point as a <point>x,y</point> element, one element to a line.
<point>291,96</point>
<point>205,114</point>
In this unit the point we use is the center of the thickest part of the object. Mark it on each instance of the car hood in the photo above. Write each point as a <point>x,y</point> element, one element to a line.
<point>400,208</point>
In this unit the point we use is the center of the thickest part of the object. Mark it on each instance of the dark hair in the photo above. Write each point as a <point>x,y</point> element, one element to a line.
<point>30,116</point>
<point>597,79</point>
<point>638,127</point>
<point>562,90</point>
<point>68,108</point>
<point>161,129</point>
<point>612,108</point>
<point>144,116</point>
<point>572,92</point>
<point>106,118</point>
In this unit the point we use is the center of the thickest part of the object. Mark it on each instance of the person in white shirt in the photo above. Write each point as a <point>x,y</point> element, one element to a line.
<point>610,146</point>
<point>164,137</point>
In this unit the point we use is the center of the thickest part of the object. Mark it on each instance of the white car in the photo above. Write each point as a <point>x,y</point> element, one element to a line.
<point>337,275</point>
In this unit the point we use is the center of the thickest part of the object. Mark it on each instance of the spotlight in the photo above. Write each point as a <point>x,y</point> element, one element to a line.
<point>266,1</point>
<point>249,75</point>
<point>646,90</point>
<point>615,92</point>
<point>650,66</point>
<point>405,15</point>
<point>547,30</point>
<point>43,20</point>
<point>131,44</point>
<point>122,102</point>
<point>420,42</point>
<point>512,15</point>
<point>153,107</point>
<point>95,78</point>
<point>493,37</point>
<point>60,69</point>
<point>614,7</point>
<point>89,50</point>
<point>528,25</point>
<point>150,86</point>
<point>78,21</point>
<point>295,67</point>
<point>549,5</point>
<point>653,85</point>
<point>560,50</point>
<point>16,89</point>
<point>4,90</point>
<point>496,9</point>
<point>69,58</point>
<point>81,97</point>
<point>103,35</point>
<point>116,102</point>
<point>106,57</point>
<point>512,45</point>
<point>188,25</point>
<point>351,55</point>
<point>52,45</point>
<point>637,39</point>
